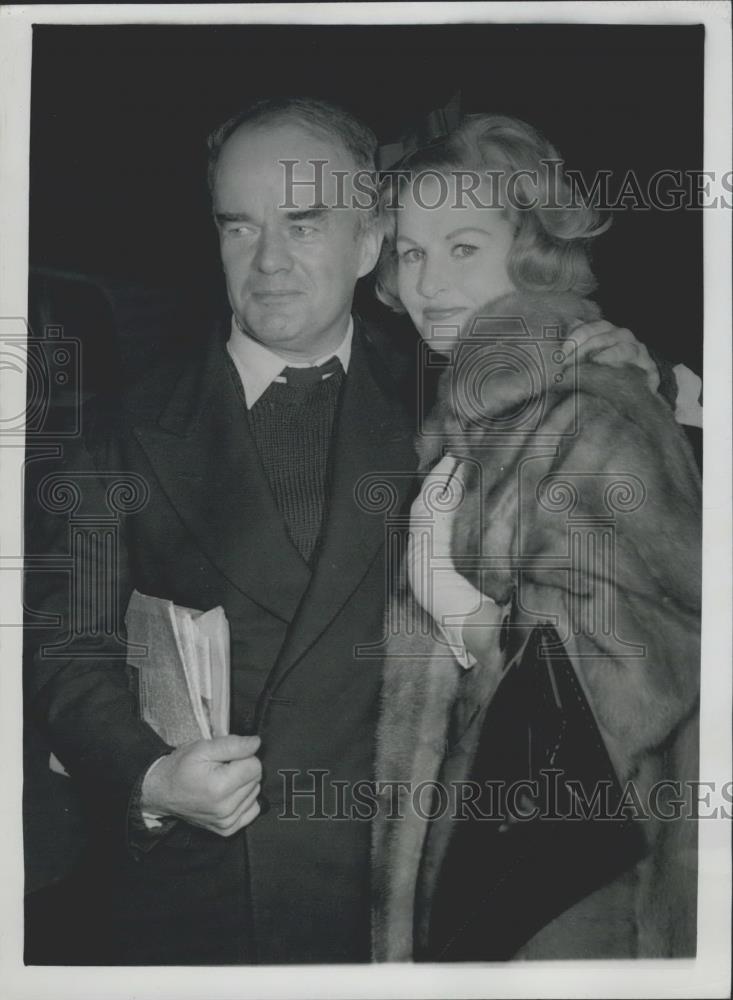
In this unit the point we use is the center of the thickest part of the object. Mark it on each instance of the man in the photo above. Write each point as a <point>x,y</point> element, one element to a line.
<point>235,462</point>
<point>224,851</point>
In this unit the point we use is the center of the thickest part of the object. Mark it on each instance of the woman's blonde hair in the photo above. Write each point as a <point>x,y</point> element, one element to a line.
<point>552,234</point>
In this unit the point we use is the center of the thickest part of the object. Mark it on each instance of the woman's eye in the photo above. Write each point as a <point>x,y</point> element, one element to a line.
<point>411,256</point>
<point>464,250</point>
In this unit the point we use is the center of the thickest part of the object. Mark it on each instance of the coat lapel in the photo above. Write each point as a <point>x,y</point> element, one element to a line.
<point>207,463</point>
<point>374,437</point>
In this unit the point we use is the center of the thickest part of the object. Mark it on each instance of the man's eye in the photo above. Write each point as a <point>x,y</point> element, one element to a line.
<point>239,231</point>
<point>464,250</point>
<point>411,256</point>
<point>303,230</point>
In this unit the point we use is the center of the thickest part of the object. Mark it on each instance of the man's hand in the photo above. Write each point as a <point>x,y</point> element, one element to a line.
<point>213,784</point>
<point>607,344</point>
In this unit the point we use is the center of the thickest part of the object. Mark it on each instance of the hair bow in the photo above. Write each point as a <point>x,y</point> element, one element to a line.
<point>434,125</point>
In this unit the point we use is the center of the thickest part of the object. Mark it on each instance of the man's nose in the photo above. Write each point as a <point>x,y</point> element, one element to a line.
<point>432,279</point>
<point>272,252</point>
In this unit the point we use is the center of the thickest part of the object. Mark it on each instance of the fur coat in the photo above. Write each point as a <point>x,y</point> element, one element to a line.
<point>547,453</point>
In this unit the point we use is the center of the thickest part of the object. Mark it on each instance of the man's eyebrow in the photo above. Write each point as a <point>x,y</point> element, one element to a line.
<point>308,214</point>
<point>222,217</point>
<point>303,215</point>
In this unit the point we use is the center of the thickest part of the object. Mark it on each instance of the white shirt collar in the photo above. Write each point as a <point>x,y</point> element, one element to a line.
<point>258,366</point>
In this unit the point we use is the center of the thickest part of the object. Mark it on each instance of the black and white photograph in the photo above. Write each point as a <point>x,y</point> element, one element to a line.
<point>366,555</point>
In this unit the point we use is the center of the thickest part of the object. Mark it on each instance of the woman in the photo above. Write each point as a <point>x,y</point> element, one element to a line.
<point>562,661</point>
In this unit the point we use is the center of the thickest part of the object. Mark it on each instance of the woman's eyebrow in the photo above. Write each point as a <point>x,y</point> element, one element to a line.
<point>467,229</point>
<point>407,239</point>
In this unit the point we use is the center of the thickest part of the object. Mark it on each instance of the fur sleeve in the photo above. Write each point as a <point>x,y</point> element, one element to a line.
<point>604,534</point>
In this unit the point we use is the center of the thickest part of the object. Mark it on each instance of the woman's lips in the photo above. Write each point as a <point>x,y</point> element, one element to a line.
<point>441,315</point>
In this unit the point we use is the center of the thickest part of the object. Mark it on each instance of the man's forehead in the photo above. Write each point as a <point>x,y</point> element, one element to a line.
<point>287,163</point>
<point>286,141</point>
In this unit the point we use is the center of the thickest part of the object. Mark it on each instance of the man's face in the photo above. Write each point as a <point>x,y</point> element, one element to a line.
<point>290,272</point>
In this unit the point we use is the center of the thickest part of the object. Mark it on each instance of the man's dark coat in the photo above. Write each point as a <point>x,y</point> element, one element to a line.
<point>208,534</point>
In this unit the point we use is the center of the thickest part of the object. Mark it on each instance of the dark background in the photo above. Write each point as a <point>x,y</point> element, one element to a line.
<point>120,115</point>
<point>123,252</point>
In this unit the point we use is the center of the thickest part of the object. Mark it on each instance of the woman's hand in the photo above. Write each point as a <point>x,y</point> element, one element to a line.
<point>606,344</point>
<point>436,584</point>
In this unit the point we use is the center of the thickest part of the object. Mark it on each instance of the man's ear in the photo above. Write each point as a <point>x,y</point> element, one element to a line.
<point>371,243</point>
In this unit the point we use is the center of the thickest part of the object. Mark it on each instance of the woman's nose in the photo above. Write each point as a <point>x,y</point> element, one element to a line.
<point>272,253</point>
<point>432,279</point>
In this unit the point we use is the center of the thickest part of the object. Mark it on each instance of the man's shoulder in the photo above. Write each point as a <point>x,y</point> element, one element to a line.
<point>145,399</point>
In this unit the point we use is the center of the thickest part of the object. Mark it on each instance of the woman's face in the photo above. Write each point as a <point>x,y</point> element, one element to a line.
<point>452,259</point>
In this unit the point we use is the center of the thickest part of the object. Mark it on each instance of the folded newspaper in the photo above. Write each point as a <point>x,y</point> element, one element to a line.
<point>183,677</point>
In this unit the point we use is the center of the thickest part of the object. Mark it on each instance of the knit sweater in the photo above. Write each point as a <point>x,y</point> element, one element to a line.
<point>292,428</point>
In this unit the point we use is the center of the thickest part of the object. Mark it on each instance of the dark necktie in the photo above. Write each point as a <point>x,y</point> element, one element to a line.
<point>303,377</point>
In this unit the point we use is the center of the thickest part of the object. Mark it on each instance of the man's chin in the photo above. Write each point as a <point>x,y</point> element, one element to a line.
<point>275,326</point>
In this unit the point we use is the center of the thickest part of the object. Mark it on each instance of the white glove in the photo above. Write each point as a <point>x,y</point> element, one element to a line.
<point>436,584</point>
<point>689,386</point>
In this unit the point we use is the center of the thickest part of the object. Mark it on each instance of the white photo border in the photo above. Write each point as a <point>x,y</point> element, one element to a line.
<point>709,974</point>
